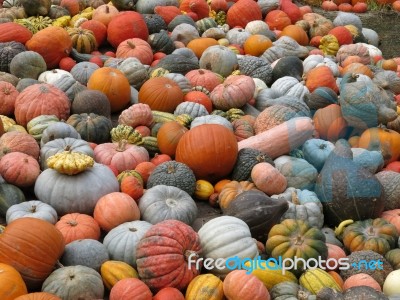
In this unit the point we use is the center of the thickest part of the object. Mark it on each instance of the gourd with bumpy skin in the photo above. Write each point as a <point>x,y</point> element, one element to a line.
<point>315,280</point>
<point>246,160</point>
<point>162,202</point>
<point>127,133</point>
<point>173,173</point>
<point>256,67</point>
<point>70,163</point>
<point>284,46</point>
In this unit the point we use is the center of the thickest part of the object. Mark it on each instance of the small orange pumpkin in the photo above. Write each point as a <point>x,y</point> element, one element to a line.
<point>8,95</point>
<point>357,68</point>
<point>199,45</point>
<point>277,19</point>
<point>168,137</point>
<point>241,286</point>
<point>297,33</point>
<point>114,84</point>
<point>12,284</point>
<point>256,44</point>
<point>76,226</point>
<point>268,179</point>
<point>137,48</point>
<point>19,169</point>
<point>132,186</point>
<point>393,217</point>
<point>321,76</point>
<point>329,123</point>
<point>38,296</point>
<point>361,279</point>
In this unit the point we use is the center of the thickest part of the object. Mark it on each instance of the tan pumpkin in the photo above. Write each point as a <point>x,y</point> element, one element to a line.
<point>268,179</point>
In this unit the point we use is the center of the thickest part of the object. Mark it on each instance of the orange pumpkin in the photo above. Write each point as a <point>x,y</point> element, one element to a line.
<point>336,276</point>
<point>199,7</point>
<point>104,13</point>
<point>268,179</point>
<point>132,186</point>
<point>8,95</point>
<point>361,279</point>
<point>76,226</point>
<point>329,123</point>
<point>241,286</point>
<point>52,43</point>
<point>201,98</point>
<point>393,217</point>
<point>297,33</point>
<point>205,78</point>
<point>256,44</point>
<point>199,45</point>
<point>169,293</point>
<point>161,93</point>
<point>346,7</point>
<point>137,48</point>
<point>357,68</point>
<point>114,84</point>
<point>73,6</point>
<point>168,137</point>
<point>114,209</point>
<point>277,19</point>
<point>334,253</point>
<point>144,169</point>
<point>14,32</point>
<point>130,288</point>
<point>98,28</point>
<point>12,284</point>
<point>210,150</point>
<point>15,141</point>
<point>381,139</point>
<point>342,34</point>
<point>349,60</point>
<point>32,246</point>
<point>19,169</point>
<point>38,296</point>
<point>321,76</point>
<point>243,12</point>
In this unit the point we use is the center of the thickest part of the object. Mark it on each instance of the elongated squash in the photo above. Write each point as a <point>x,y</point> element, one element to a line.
<point>315,280</point>
<point>281,139</point>
<point>205,286</point>
<point>113,271</point>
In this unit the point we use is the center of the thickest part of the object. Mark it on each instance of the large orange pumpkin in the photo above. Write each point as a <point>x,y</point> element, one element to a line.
<point>168,137</point>
<point>52,43</point>
<point>137,48</point>
<point>11,283</point>
<point>297,33</point>
<point>198,45</point>
<point>243,12</point>
<point>329,123</point>
<point>381,139</point>
<point>241,286</point>
<point>114,84</point>
<point>321,76</point>
<point>14,32</point>
<point>277,19</point>
<point>130,288</point>
<point>38,296</point>
<point>32,246</point>
<point>161,93</point>
<point>210,150</point>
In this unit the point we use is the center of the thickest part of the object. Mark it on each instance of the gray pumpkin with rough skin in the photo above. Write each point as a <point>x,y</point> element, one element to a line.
<point>122,240</point>
<point>75,193</point>
<point>58,130</point>
<point>173,173</point>
<point>303,205</point>
<point>219,59</point>
<point>27,64</point>
<point>70,86</point>
<point>163,202</point>
<point>255,67</point>
<point>288,290</point>
<point>85,252</point>
<point>74,282</point>
<point>391,184</point>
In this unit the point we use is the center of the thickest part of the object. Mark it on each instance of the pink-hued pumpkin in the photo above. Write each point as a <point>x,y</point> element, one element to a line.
<point>137,48</point>
<point>120,155</point>
<point>334,253</point>
<point>41,99</point>
<point>241,286</point>
<point>8,95</point>
<point>105,13</point>
<point>162,255</point>
<point>199,7</point>
<point>361,279</point>
<point>205,78</point>
<point>114,209</point>
<point>16,141</point>
<point>235,92</point>
<point>129,289</point>
<point>76,226</point>
<point>19,169</point>
<point>392,216</point>
<point>135,115</point>
<point>268,179</point>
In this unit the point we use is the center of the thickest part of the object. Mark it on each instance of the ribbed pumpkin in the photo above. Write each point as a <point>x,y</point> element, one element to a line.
<point>15,141</point>
<point>243,12</point>
<point>198,45</point>
<point>161,93</point>
<point>52,43</point>
<point>83,40</point>
<point>198,7</point>
<point>169,293</point>
<point>210,150</point>
<point>277,20</point>
<point>32,246</point>
<point>205,78</point>
<point>38,296</point>
<point>12,284</point>
<point>12,31</point>
<point>297,33</point>
<point>19,169</point>
<point>162,255</point>
<point>135,47</point>
<point>206,286</point>
<point>8,95</point>
<point>316,279</point>
<point>238,285</point>
<point>99,30</point>
<point>168,137</point>
<point>41,99</point>
<point>113,271</point>
<point>114,84</point>
<point>321,76</point>
<point>76,226</point>
<point>130,288</point>
<point>329,123</point>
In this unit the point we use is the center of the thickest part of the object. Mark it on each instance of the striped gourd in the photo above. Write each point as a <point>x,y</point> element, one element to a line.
<point>315,280</point>
<point>83,40</point>
<point>205,286</point>
<point>150,144</point>
<point>162,117</point>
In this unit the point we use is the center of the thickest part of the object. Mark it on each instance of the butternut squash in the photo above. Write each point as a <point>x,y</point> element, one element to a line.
<point>282,138</point>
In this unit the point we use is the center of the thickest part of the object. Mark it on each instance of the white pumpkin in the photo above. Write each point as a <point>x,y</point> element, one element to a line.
<point>391,286</point>
<point>31,209</point>
<point>52,76</point>
<point>288,85</point>
<point>226,237</point>
<point>257,27</point>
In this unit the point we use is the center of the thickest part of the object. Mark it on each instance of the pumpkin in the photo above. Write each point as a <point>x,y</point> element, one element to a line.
<point>130,288</point>
<point>321,76</point>
<point>91,127</point>
<point>135,115</point>
<point>277,19</point>
<point>12,31</point>
<point>29,250</point>
<point>126,25</point>
<point>12,284</point>
<point>114,84</point>
<point>380,139</point>
<point>99,30</point>
<point>113,271</point>
<point>76,226</point>
<point>69,86</point>
<point>83,40</point>
<point>329,123</point>
<point>9,195</point>
<point>357,68</point>
<point>217,244</point>
<point>390,287</point>
<point>52,43</point>
<point>114,209</point>
<point>268,179</point>
<point>173,202</point>
<point>205,78</point>
<point>392,216</point>
<point>208,160</point>
<point>19,169</point>
<point>31,209</point>
<point>293,238</point>
<point>392,256</point>
<point>168,137</point>
<point>240,285</point>
<point>168,293</point>
<point>38,296</point>
<point>289,290</point>
<point>316,279</point>
<point>15,141</point>
<point>371,234</point>
<point>206,285</point>
<point>181,241</point>
<point>69,162</point>
<point>361,280</point>
<point>41,99</point>
<point>37,125</point>
<point>232,189</point>
<point>83,70</point>
<point>297,33</point>
<point>135,47</point>
<point>316,151</point>
<point>389,180</point>
<point>73,282</point>
<point>122,241</point>
<point>212,57</point>
<point>104,13</point>
<point>8,95</point>
<point>199,45</point>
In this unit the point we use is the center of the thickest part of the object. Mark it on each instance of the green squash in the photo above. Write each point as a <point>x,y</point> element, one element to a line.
<point>290,291</point>
<point>246,160</point>
<point>9,195</point>
<point>92,127</point>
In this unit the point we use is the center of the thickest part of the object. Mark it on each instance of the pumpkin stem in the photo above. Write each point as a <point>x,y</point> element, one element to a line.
<point>342,225</point>
<point>132,229</point>
<point>302,295</point>
<point>130,44</point>
<point>107,9</point>
<point>67,148</point>
<point>121,145</point>
<point>72,223</point>
<point>295,198</point>
<point>299,240</point>
<point>170,169</point>
<point>322,146</point>
<point>59,265</point>
<point>371,231</point>
<point>33,209</point>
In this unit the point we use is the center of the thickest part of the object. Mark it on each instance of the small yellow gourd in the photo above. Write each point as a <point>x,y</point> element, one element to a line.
<point>127,133</point>
<point>70,163</point>
<point>315,280</point>
<point>205,286</point>
<point>113,271</point>
<point>203,190</point>
<point>329,44</point>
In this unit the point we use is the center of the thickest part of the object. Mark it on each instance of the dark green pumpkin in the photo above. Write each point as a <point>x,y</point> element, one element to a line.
<point>91,101</point>
<point>155,23</point>
<point>255,67</point>
<point>288,66</point>
<point>173,173</point>
<point>69,86</point>
<point>180,19</point>
<point>9,195</point>
<point>204,24</point>
<point>393,257</point>
<point>246,160</point>
<point>7,52</point>
<point>57,11</point>
<point>321,97</point>
<point>176,63</point>
<point>161,42</point>
<point>92,127</point>
<point>290,291</point>
<point>124,4</point>
<point>258,211</point>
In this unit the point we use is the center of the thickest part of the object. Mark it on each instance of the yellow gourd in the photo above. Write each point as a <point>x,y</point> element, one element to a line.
<point>316,279</point>
<point>113,271</point>
<point>204,189</point>
<point>205,287</point>
<point>70,163</point>
<point>329,44</point>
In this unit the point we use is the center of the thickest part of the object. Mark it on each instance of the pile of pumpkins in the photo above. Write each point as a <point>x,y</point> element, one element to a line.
<point>122,122</point>
<point>356,6</point>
